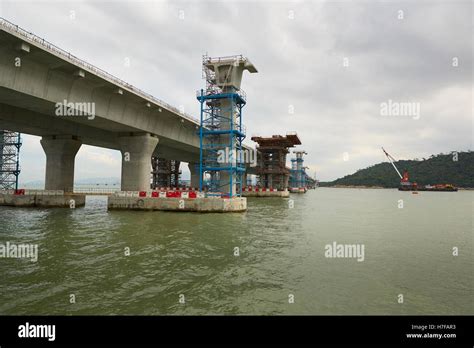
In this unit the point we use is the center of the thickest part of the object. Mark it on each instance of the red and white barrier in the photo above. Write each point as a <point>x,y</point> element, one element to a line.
<point>258,189</point>
<point>161,194</point>
<point>185,193</point>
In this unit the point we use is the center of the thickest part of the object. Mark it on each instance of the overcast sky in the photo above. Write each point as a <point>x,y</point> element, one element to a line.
<point>325,68</point>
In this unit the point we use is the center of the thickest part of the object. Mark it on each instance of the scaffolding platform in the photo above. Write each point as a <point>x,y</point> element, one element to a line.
<point>165,173</point>
<point>10,144</point>
<point>221,132</point>
<point>298,173</point>
<point>271,169</point>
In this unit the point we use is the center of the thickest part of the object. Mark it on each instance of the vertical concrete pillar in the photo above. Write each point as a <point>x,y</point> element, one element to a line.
<point>60,155</point>
<point>194,170</point>
<point>248,180</point>
<point>136,161</point>
<point>286,181</point>
<point>228,121</point>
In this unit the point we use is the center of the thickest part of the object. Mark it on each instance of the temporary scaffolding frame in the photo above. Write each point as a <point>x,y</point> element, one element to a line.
<point>10,143</point>
<point>165,173</point>
<point>221,130</point>
<point>298,173</point>
<point>271,160</point>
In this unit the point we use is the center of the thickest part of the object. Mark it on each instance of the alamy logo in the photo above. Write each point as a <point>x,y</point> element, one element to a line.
<point>237,156</point>
<point>392,108</point>
<point>335,250</point>
<point>37,331</point>
<point>75,109</point>
<point>12,250</point>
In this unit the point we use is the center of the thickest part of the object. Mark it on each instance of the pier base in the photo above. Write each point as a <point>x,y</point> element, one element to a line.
<point>201,205</point>
<point>298,190</point>
<point>280,194</point>
<point>42,200</point>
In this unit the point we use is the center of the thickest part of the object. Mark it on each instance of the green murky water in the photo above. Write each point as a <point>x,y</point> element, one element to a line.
<point>408,251</point>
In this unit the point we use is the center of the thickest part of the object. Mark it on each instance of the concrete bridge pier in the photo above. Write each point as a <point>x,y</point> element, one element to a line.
<point>60,155</point>
<point>137,151</point>
<point>248,180</point>
<point>194,171</point>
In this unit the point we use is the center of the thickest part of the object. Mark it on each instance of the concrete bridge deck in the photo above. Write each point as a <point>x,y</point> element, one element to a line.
<point>36,75</point>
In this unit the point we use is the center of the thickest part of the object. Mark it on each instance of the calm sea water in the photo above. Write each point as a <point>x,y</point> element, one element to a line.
<point>408,251</point>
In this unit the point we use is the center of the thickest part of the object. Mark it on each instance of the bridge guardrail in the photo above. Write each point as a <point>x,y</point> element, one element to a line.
<point>10,27</point>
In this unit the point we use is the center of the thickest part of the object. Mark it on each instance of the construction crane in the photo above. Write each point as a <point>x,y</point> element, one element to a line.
<point>392,160</point>
<point>406,185</point>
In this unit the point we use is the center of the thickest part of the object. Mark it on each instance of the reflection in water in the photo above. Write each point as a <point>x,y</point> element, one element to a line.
<point>281,252</point>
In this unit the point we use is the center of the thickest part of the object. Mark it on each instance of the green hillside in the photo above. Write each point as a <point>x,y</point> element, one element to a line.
<point>434,170</point>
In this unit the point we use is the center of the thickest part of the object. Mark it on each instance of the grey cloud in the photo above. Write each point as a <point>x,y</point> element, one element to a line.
<point>337,109</point>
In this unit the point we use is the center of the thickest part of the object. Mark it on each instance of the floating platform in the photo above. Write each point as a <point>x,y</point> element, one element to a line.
<point>264,192</point>
<point>41,199</point>
<point>179,201</point>
<point>298,189</point>
<point>436,188</point>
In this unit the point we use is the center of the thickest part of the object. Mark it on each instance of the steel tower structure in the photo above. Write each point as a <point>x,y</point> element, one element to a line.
<point>165,173</point>
<point>271,160</point>
<point>221,130</point>
<point>298,174</point>
<point>10,143</point>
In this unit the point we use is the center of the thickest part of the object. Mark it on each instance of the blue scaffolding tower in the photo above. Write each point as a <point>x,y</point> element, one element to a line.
<point>221,161</point>
<point>220,135</point>
<point>298,173</point>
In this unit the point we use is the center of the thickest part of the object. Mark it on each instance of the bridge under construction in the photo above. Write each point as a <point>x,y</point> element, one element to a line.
<point>154,137</point>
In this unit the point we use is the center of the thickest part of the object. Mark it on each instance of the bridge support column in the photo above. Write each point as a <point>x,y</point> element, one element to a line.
<point>136,161</point>
<point>194,170</point>
<point>248,180</point>
<point>60,155</point>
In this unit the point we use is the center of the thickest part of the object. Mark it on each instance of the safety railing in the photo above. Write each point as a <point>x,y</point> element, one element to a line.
<point>30,37</point>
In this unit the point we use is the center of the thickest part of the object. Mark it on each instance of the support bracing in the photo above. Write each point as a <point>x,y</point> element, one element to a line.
<point>298,173</point>
<point>271,160</point>
<point>221,168</point>
<point>10,143</point>
<point>165,173</point>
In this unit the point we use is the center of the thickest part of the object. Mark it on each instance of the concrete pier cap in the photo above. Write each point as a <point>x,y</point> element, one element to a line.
<point>228,70</point>
<point>137,150</point>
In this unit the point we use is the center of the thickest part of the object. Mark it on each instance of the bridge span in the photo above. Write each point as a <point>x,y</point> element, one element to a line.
<point>36,77</point>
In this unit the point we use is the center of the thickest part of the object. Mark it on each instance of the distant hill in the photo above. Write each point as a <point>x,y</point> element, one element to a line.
<point>437,169</point>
